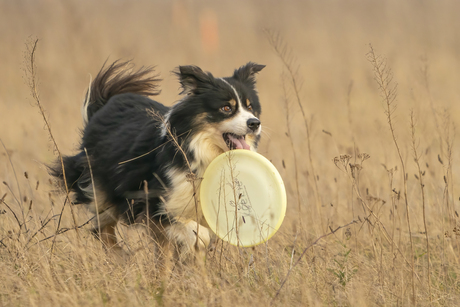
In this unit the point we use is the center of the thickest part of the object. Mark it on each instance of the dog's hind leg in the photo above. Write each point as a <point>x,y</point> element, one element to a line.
<point>108,236</point>
<point>105,226</point>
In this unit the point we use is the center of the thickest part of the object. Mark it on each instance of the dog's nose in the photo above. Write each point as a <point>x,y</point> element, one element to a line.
<point>253,123</point>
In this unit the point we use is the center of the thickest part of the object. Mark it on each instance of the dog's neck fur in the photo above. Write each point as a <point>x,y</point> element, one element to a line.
<point>200,149</point>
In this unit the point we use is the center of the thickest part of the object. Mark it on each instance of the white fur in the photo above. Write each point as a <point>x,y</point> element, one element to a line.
<point>183,201</point>
<point>206,146</point>
<point>88,189</point>
<point>186,233</point>
<point>238,123</point>
<point>164,128</point>
<point>180,202</point>
<point>84,110</point>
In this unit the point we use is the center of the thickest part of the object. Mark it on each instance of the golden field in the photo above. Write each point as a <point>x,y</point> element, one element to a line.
<point>391,255</point>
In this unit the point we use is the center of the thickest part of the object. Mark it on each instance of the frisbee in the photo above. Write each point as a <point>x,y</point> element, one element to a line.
<point>243,198</point>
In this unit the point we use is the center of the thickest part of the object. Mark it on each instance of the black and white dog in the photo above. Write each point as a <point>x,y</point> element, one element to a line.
<point>142,162</point>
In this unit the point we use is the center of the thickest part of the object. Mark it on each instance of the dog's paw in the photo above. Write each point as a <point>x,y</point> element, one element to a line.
<point>189,236</point>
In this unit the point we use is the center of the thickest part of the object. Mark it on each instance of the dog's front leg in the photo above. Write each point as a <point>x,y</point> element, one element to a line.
<point>189,237</point>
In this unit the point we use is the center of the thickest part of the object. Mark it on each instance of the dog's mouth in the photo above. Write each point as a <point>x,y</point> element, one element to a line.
<point>234,141</point>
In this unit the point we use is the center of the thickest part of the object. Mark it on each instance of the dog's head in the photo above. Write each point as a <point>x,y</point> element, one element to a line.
<point>218,114</point>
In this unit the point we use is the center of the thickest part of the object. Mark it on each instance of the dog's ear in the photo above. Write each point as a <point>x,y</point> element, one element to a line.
<point>193,79</point>
<point>247,72</point>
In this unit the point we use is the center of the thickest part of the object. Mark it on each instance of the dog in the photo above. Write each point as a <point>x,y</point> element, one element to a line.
<point>141,162</point>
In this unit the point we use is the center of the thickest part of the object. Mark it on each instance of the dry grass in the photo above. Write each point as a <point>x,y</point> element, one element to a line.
<point>376,261</point>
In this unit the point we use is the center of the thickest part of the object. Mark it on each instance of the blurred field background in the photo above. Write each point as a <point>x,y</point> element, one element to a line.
<point>369,263</point>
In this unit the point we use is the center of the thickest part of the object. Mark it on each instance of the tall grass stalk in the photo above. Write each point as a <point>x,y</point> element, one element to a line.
<point>388,90</point>
<point>285,55</point>
<point>422,191</point>
<point>191,176</point>
<point>288,126</point>
<point>31,77</point>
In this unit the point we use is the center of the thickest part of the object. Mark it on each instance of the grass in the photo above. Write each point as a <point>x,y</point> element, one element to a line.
<point>350,150</point>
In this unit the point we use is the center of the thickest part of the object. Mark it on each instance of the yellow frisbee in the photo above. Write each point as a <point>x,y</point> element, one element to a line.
<point>243,198</point>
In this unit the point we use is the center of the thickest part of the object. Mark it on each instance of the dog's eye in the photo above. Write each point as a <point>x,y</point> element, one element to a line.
<point>226,109</point>
<point>250,107</point>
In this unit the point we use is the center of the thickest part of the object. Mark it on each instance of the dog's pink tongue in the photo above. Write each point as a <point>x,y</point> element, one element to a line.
<point>239,143</point>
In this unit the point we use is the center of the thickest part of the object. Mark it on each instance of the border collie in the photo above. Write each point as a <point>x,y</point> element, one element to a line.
<point>142,162</point>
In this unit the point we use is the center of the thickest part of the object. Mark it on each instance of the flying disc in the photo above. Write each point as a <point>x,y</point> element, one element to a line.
<point>243,198</point>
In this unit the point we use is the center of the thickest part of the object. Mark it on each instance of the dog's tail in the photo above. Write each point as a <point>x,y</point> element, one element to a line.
<point>116,79</point>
